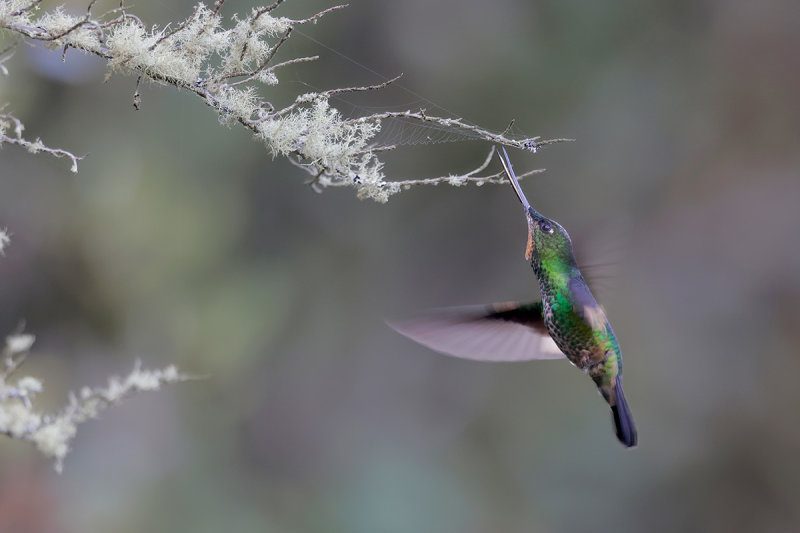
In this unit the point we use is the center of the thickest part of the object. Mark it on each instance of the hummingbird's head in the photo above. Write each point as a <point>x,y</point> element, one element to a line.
<point>548,242</point>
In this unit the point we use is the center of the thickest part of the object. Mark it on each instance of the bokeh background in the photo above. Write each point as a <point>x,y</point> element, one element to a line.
<point>181,241</point>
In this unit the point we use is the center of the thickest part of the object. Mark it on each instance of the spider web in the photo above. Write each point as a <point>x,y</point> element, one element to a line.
<point>403,131</point>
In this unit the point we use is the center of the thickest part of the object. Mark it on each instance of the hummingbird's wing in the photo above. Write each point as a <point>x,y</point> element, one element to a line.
<point>585,305</point>
<point>495,332</point>
<point>600,251</point>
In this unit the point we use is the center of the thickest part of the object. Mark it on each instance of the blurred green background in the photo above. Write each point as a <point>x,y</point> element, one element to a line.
<point>181,241</point>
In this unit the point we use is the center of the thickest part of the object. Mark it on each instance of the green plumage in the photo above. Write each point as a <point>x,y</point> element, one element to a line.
<point>589,344</point>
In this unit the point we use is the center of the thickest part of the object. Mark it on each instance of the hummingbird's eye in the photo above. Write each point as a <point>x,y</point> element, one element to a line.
<point>546,227</point>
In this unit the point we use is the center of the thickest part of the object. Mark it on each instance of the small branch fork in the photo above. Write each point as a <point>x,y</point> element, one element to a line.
<point>301,100</point>
<point>469,177</point>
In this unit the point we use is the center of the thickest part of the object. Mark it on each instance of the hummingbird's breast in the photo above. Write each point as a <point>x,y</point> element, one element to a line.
<point>584,347</point>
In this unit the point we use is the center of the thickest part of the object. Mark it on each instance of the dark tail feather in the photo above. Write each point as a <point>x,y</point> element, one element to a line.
<point>623,419</point>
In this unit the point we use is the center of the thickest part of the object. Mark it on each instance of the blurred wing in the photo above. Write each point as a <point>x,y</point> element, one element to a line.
<point>601,251</point>
<point>585,305</point>
<point>497,332</point>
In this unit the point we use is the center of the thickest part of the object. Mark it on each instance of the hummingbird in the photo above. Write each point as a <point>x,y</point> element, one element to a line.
<point>567,321</point>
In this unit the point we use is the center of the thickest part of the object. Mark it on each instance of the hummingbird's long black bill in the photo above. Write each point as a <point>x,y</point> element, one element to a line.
<point>504,159</point>
<point>530,212</point>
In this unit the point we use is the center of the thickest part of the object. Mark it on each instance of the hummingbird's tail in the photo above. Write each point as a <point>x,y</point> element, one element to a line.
<point>623,419</point>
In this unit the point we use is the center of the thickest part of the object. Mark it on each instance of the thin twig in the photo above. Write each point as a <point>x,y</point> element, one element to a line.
<point>375,149</point>
<point>253,27</point>
<point>266,61</point>
<point>331,92</point>
<point>137,97</point>
<point>324,94</point>
<point>292,62</point>
<point>498,177</point>
<point>270,8</point>
<point>6,54</point>
<point>26,8</point>
<point>84,21</point>
<point>218,6</point>
<point>35,146</point>
<point>315,18</point>
<point>180,27</point>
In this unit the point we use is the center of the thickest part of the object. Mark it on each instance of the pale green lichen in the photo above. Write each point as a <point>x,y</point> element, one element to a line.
<point>52,439</point>
<point>11,6</point>
<point>16,419</point>
<point>132,47</point>
<point>457,181</point>
<point>328,142</point>
<point>19,343</point>
<point>233,103</point>
<point>6,123</point>
<point>35,146</point>
<point>247,44</point>
<point>58,22</point>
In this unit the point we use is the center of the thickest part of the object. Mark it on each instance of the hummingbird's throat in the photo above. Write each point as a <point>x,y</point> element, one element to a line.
<point>529,247</point>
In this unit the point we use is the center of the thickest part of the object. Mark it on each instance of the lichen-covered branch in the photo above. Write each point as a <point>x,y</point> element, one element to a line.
<point>11,123</point>
<point>227,66</point>
<point>468,177</point>
<point>52,433</point>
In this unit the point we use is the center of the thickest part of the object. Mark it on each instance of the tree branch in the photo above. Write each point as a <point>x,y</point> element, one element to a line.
<point>6,123</point>
<point>204,57</point>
